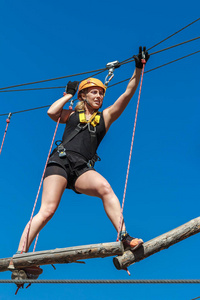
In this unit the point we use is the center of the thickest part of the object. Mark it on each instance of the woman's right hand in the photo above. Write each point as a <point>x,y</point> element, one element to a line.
<point>72,87</point>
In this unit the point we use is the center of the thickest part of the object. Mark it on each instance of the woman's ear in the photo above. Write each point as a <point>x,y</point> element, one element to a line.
<point>82,96</point>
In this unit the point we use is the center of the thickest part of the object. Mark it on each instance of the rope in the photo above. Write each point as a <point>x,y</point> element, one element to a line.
<point>130,155</point>
<point>105,281</point>
<point>8,121</point>
<point>29,224</point>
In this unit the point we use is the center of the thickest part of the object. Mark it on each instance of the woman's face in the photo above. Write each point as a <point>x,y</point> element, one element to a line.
<point>95,96</point>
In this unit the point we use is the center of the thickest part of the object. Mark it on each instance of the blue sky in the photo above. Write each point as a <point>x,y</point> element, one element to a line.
<point>48,39</point>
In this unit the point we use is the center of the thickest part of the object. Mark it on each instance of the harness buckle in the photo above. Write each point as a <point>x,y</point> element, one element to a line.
<point>60,149</point>
<point>90,130</point>
<point>92,161</point>
<point>81,127</point>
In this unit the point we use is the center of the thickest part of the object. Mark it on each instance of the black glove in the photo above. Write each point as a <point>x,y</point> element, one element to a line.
<point>71,87</point>
<point>141,55</point>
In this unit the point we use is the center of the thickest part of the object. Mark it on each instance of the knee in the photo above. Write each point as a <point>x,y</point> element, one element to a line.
<point>105,189</point>
<point>47,213</point>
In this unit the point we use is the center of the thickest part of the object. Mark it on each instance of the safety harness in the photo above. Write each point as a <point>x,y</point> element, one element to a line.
<point>83,123</point>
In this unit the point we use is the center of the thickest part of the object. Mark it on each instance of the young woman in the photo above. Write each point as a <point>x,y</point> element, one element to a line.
<point>71,164</point>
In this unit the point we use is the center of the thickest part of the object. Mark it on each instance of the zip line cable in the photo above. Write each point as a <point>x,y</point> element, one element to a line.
<point>102,70</point>
<point>155,68</point>
<point>105,281</point>
<point>176,45</point>
<point>45,106</point>
<point>167,37</point>
<point>99,70</point>
<point>33,89</point>
<point>62,87</point>
<point>46,88</point>
<point>40,81</point>
<point>168,48</point>
<point>26,110</point>
<point>173,34</point>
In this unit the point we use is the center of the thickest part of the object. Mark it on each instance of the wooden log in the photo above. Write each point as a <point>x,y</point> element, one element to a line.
<point>62,256</point>
<point>157,244</point>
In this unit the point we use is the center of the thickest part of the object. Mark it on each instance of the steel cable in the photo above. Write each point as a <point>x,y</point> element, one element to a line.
<point>105,281</point>
<point>102,70</point>
<point>45,106</point>
<point>163,65</point>
<point>46,80</point>
<point>167,38</point>
<point>98,71</point>
<point>173,34</point>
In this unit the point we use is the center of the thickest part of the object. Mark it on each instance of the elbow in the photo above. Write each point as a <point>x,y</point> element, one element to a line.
<point>50,113</point>
<point>54,116</point>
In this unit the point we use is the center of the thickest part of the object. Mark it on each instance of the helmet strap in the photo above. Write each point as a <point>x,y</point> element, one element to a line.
<point>85,100</point>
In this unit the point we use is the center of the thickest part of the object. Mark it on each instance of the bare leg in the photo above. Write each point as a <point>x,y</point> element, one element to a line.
<point>53,188</point>
<point>93,184</point>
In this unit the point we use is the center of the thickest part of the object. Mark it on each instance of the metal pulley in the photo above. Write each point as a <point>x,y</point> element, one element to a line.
<point>111,66</point>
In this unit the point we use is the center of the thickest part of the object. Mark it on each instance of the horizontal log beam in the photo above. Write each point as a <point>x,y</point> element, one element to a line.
<point>61,256</point>
<point>157,244</point>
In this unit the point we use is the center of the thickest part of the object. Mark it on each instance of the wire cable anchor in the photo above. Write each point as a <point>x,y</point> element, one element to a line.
<point>111,66</point>
<point>9,117</point>
<point>7,121</point>
<point>143,60</point>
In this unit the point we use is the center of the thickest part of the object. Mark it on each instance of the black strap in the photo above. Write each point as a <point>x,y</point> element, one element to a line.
<point>93,136</point>
<point>74,133</point>
<point>92,131</point>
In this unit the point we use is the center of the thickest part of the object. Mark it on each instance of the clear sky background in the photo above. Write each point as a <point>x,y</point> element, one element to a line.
<point>48,39</point>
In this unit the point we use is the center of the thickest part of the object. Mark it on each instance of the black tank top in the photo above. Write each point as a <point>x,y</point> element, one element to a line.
<point>81,143</point>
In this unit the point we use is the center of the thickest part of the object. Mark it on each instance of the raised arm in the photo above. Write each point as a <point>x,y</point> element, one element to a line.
<point>56,109</point>
<point>113,112</point>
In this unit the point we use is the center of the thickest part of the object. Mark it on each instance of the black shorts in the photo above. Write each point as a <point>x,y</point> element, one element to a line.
<point>54,168</point>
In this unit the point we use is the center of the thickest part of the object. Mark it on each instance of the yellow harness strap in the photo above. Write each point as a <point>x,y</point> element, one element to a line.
<point>94,119</point>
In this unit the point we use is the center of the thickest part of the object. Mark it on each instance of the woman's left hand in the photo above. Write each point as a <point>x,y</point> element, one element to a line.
<point>143,54</point>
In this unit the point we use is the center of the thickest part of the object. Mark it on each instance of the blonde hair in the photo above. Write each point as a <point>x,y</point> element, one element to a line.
<point>81,104</point>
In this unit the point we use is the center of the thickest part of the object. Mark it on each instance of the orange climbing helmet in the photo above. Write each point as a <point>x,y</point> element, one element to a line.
<point>91,82</point>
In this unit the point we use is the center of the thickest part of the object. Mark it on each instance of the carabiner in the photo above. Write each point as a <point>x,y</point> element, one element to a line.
<point>71,104</point>
<point>111,66</point>
<point>9,117</point>
<point>143,60</point>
